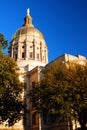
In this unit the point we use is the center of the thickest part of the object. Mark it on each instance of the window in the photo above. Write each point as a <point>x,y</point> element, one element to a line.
<point>34,118</point>
<point>23,46</point>
<point>37,56</point>
<point>23,55</point>
<point>31,55</point>
<point>16,56</point>
<point>16,48</point>
<point>30,46</point>
<point>33,83</point>
<point>37,48</point>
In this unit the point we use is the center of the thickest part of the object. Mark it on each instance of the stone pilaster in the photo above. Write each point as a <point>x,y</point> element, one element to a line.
<point>12,51</point>
<point>46,55</point>
<point>40,51</point>
<point>26,51</point>
<point>34,49</point>
<point>19,51</point>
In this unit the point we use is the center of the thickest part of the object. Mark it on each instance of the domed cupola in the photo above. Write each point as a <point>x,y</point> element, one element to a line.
<point>28,46</point>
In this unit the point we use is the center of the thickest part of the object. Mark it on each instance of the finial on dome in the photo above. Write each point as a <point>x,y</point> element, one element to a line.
<point>28,19</point>
<point>28,12</point>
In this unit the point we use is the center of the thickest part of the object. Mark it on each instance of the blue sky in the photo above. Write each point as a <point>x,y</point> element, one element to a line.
<point>62,22</point>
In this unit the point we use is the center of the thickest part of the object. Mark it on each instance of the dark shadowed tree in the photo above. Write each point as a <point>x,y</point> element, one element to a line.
<point>11,104</point>
<point>63,91</point>
<point>3,42</point>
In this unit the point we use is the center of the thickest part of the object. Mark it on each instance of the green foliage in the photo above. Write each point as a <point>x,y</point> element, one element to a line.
<point>62,90</point>
<point>10,91</point>
<point>3,42</point>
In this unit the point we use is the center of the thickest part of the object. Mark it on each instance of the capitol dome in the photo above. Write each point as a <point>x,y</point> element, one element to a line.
<point>28,46</point>
<point>28,29</point>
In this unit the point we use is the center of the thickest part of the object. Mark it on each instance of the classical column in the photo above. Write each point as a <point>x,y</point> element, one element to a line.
<point>41,51</point>
<point>19,51</point>
<point>46,55</point>
<point>34,49</point>
<point>26,51</point>
<point>46,58</point>
<point>12,51</point>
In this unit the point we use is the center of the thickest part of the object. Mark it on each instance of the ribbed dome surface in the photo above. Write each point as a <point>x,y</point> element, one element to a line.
<point>28,30</point>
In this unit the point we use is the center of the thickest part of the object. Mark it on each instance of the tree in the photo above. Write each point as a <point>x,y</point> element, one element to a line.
<point>11,104</point>
<point>3,42</point>
<point>62,91</point>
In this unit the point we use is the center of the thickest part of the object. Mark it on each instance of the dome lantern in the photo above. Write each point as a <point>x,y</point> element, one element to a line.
<point>28,19</point>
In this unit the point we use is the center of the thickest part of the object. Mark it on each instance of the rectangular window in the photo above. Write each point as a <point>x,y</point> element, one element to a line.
<point>35,118</point>
<point>31,55</point>
<point>16,56</point>
<point>16,48</point>
<point>38,57</point>
<point>37,48</point>
<point>30,46</point>
<point>33,102</point>
<point>23,46</point>
<point>23,55</point>
<point>33,83</point>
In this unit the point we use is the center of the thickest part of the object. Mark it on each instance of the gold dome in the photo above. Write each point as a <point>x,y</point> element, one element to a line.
<point>28,29</point>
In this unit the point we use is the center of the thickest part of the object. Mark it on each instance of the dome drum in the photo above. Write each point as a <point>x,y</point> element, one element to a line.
<point>28,31</point>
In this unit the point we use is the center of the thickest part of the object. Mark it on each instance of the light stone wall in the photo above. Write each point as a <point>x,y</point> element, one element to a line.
<point>17,126</point>
<point>68,57</point>
<point>34,76</point>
